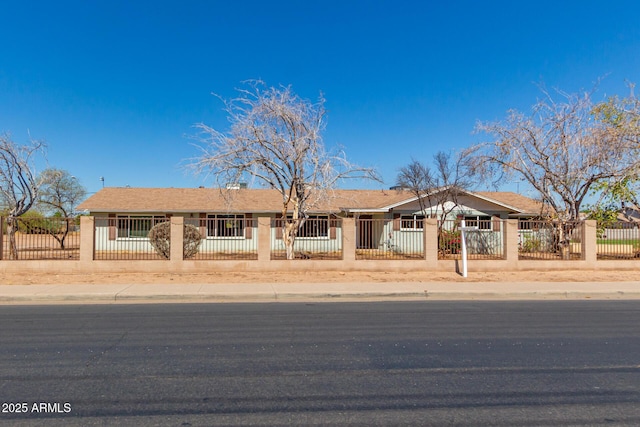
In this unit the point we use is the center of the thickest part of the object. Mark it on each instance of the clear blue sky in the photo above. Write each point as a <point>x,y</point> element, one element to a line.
<point>114,87</point>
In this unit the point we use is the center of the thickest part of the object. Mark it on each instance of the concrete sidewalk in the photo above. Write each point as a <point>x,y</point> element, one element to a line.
<point>316,292</point>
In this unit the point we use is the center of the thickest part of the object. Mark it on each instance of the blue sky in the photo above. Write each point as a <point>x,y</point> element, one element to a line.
<point>115,87</point>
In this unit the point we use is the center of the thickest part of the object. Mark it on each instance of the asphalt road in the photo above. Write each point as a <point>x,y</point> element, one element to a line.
<point>423,363</point>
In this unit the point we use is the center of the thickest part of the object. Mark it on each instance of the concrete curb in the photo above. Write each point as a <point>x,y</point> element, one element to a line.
<point>307,297</point>
<point>314,292</point>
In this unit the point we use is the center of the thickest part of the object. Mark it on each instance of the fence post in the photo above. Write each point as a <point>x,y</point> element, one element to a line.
<point>511,241</point>
<point>430,242</point>
<point>348,239</point>
<point>264,238</point>
<point>590,241</point>
<point>177,239</point>
<point>1,237</point>
<point>87,238</point>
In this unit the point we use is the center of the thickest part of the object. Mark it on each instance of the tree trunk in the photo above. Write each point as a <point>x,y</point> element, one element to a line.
<point>65,232</point>
<point>564,241</point>
<point>11,233</point>
<point>291,225</point>
<point>289,237</point>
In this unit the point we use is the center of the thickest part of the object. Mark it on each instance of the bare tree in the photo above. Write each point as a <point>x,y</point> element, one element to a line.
<point>433,188</point>
<point>275,137</point>
<point>562,149</point>
<point>60,192</point>
<point>417,178</point>
<point>18,182</point>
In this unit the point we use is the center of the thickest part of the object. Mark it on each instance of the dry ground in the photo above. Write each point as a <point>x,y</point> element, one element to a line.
<point>319,277</point>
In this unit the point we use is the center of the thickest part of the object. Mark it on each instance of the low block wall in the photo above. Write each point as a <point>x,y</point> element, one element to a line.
<point>511,262</point>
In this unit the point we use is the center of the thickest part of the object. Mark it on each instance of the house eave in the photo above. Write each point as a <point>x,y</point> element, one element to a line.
<point>513,209</point>
<point>496,202</point>
<point>364,210</point>
<point>190,211</point>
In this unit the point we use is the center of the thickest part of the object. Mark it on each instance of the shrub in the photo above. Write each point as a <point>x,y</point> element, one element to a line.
<point>532,244</point>
<point>160,239</point>
<point>450,241</point>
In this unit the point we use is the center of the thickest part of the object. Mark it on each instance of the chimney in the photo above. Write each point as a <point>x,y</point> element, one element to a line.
<point>236,185</point>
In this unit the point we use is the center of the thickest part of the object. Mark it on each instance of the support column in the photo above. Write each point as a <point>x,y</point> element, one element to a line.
<point>177,239</point>
<point>430,242</point>
<point>511,242</point>
<point>348,239</point>
<point>87,238</point>
<point>264,239</point>
<point>590,241</point>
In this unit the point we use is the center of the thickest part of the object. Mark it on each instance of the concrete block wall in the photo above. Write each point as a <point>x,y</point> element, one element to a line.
<point>176,264</point>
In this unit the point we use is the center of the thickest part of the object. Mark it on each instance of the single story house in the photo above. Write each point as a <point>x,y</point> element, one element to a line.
<point>382,216</point>
<point>630,214</point>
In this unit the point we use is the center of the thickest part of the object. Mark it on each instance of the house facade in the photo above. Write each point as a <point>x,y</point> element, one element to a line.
<point>227,218</point>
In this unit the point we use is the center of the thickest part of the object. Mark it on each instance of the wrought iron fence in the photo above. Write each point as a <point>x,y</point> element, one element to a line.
<point>385,239</point>
<point>550,240</point>
<point>126,237</point>
<point>618,240</point>
<point>40,238</point>
<point>317,237</point>
<point>235,237</point>
<point>486,241</point>
<point>225,237</point>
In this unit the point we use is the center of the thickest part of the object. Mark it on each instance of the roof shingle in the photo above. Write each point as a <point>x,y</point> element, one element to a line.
<point>188,200</point>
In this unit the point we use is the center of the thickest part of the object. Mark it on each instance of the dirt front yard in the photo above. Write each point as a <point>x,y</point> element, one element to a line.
<point>319,277</point>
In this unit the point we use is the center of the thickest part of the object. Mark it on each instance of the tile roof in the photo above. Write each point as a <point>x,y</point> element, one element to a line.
<point>187,200</point>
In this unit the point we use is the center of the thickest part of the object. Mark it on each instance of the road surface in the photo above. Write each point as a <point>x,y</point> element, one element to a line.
<point>422,363</point>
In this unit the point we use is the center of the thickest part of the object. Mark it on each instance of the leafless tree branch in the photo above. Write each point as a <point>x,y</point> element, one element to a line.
<point>276,137</point>
<point>18,181</point>
<point>563,148</point>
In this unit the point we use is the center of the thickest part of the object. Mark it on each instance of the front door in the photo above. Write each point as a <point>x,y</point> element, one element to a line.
<point>365,232</point>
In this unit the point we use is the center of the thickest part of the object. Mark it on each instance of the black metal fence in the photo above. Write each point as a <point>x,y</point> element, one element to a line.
<point>224,237</point>
<point>550,240</point>
<point>126,237</point>
<point>484,239</point>
<point>387,239</point>
<point>235,237</point>
<point>317,237</point>
<point>40,238</point>
<point>618,240</point>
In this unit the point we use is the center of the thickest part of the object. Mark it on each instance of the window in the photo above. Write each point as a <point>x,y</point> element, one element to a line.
<point>482,222</point>
<point>225,225</point>
<point>526,224</point>
<point>137,226</point>
<point>412,222</point>
<point>315,226</point>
